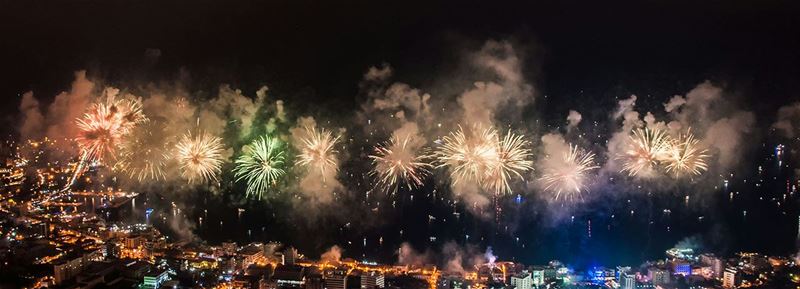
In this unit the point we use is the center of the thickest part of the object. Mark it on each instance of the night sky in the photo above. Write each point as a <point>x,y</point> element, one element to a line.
<point>578,55</point>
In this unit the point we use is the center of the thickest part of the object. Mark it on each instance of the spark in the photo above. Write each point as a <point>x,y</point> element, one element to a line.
<point>260,165</point>
<point>569,177</point>
<point>646,148</point>
<point>396,161</point>
<point>317,151</point>
<point>685,156</point>
<point>200,157</point>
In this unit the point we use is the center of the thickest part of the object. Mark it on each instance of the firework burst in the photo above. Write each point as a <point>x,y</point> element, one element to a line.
<point>104,125</point>
<point>685,156</point>
<point>568,177</point>
<point>102,128</point>
<point>511,158</point>
<point>647,147</point>
<point>468,154</point>
<point>480,156</point>
<point>317,151</point>
<point>144,152</point>
<point>260,165</point>
<point>199,157</point>
<point>396,161</point>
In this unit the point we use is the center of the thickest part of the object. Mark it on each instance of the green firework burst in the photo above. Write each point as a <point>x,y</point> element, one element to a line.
<point>260,165</point>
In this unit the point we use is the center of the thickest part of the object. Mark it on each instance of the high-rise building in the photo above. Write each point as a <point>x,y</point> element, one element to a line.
<point>113,249</point>
<point>67,268</point>
<point>658,276</point>
<point>714,262</point>
<point>538,275</point>
<point>314,281</point>
<point>522,280</point>
<point>371,280</point>
<point>289,276</point>
<point>627,281</point>
<point>336,279</point>
<point>729,278</point>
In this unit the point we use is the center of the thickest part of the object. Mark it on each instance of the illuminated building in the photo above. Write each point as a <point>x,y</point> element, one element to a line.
<point>289,256</point>
<point>600,275</point>
<point>154,279</point>
<point>250,255</point>
<point>756,262</point>
<point>627,281</point>
<point>67,268</point>
<point>336,279</point>
<point>681,253</point>
<point>522,280</point>
<point>134,241</point>
<point>538,275</point>
<point>681,268</point>
<point>729,278</point>
<point>658,276</point>
<point>229,248</point>
<point>289,276</point>
<point>113,249</point>
<point>372,280</point>
<point>714,262</point>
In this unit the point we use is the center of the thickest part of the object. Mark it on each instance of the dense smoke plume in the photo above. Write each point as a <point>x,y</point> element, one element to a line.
<point>333,255</point>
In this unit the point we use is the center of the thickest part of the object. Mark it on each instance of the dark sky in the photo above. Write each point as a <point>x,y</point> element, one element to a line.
<point>313,53</point>
<point>318,50</point>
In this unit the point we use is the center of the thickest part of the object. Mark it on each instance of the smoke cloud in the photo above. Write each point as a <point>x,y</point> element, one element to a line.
<point>32,118</point>
<point>485,99</point>
<point>712,118</point>
<point>333,255</point>
<point>573,119</point>
<point>406,255</point>
<point>787,121</point>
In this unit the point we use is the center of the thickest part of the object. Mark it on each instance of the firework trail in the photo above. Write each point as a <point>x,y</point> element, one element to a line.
<point>102,128</point>
<point>647,147</point>
<point>200,157</point>
<point>396,161</point>
<point>144,152</point>
<point>685,156</point>
<point>260,165</point>
<point>569,176</point>
<point>511,158</point>
<point>317,151</point>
